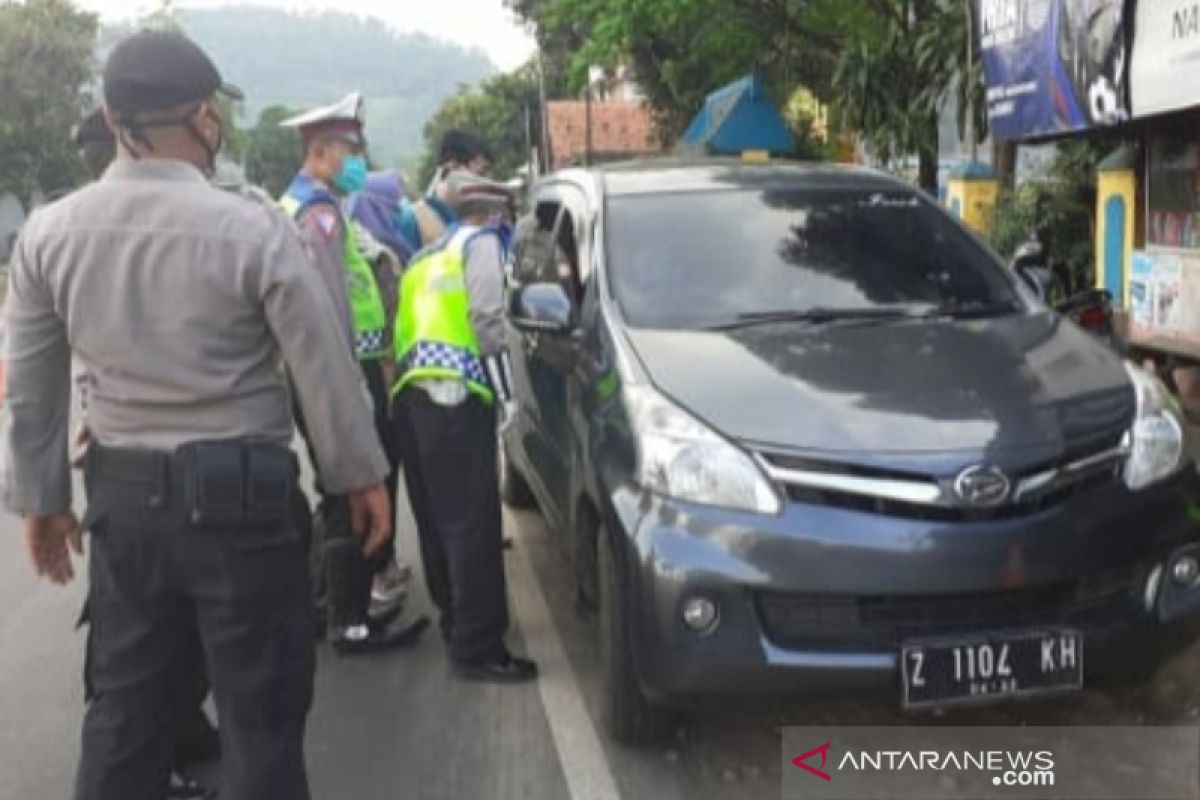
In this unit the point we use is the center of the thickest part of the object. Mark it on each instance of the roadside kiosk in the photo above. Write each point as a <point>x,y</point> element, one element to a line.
<point>971,193</point>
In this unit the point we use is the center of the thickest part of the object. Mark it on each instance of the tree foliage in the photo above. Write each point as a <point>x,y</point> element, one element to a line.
<point>1059,208</point>
<point>45,69</point>
<point>680,50</point>
<point>273,154</point>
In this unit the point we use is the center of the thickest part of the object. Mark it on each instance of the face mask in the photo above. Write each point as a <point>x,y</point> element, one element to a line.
<point>353,174</point>
<point>210,148</point>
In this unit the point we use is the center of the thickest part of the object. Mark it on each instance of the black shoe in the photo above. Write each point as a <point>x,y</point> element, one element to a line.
<point>392,637</point>
<point>506,669</point>
<point>381,620</point>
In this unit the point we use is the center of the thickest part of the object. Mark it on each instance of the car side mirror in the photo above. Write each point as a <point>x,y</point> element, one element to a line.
<point>1038,279</point>
<point>541,307</point>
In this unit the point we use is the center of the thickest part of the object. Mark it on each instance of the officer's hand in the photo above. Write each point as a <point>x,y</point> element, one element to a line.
<point>371,517</point>
<point>50,540</point>
<point>508,415</point>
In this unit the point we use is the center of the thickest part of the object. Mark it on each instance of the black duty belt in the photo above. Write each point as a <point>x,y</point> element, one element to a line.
<point>218,484</point>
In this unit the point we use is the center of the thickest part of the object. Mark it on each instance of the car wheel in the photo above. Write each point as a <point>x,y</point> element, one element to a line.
<point>514,489</point>
<point>628,716</point>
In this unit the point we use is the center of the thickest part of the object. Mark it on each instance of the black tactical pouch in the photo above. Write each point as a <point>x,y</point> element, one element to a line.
<point>216,481</point>
<point>270,486</point>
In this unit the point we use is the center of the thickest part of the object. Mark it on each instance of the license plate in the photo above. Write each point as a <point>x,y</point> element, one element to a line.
<point>990,666</point>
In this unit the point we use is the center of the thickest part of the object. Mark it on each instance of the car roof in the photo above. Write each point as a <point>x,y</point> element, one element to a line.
<point>666,175</point>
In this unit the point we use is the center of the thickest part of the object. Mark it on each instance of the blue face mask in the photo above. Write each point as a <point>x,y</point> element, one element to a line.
<point>353,175</point>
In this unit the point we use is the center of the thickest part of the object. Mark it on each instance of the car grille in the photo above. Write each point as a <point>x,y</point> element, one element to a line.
<point>848,622</point>
<point>930,513</point>
<point>1081,472</point>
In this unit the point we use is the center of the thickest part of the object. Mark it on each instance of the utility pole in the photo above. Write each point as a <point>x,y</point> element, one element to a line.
<point>968,85</point>
<point>543,116</point>
<point>587,124</point>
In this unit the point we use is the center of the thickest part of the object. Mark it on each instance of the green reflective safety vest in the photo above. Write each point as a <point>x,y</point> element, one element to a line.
<point>434,338</point>
<point>367,310</point>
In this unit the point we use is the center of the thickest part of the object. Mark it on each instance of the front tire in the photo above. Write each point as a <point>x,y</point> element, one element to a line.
<point>629,717</point>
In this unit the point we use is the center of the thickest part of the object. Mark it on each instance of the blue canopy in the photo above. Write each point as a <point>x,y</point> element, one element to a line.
<point>736,118</point>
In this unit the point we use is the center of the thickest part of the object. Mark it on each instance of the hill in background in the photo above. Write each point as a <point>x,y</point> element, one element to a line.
<point>303,60</point>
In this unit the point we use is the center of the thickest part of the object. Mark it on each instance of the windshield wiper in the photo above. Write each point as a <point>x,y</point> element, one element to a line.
<point>971,310</point>
<point>818,316</point>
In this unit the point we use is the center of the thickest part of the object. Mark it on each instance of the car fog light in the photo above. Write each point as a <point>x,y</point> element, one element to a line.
<point>1185,569</point>
<point>700,614</point>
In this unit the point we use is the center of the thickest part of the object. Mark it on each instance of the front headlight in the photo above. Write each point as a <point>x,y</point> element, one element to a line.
<point>679,457</point>
<point>1157,445</point>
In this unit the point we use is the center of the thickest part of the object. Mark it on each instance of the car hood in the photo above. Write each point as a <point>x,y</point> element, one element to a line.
<point>1014,390</point>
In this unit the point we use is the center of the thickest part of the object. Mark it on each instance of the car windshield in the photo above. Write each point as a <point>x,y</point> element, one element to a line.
<point>724,258</point>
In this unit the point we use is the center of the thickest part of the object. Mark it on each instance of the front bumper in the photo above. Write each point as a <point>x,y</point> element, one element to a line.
<point>820,598</point>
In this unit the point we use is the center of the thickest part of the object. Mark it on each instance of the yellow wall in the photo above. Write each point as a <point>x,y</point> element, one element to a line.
<point>1121,184</point>
<point>973,200</point>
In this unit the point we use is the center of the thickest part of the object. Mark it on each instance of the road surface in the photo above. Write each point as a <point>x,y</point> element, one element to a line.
<point>400,726</point>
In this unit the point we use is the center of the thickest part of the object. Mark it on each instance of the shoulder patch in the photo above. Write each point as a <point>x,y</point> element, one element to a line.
<point>325,220</point>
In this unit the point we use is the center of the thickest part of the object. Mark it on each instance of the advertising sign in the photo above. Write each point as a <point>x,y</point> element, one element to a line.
<point>1166,56</point>
<point>1164,291</point>
<point>1053,66</point>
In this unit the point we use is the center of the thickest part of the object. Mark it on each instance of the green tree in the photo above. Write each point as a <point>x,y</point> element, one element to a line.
<point>680,50</point>
<point>498,111</point>
<point>894,77</point>
<point>272,153</point>
<point>45,68</point>
<point>948,52</point>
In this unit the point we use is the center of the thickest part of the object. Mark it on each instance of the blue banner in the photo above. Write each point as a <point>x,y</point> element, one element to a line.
<point>1053,66</point>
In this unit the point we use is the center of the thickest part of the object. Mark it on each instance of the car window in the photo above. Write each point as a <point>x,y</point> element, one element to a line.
<point>707,258</point>
<point>533,252</point>
<point>547,248</point>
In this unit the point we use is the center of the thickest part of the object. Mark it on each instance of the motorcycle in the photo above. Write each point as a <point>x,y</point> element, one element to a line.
<point>1090,309</point>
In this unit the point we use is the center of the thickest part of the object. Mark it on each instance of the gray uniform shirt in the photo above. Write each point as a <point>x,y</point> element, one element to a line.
<point>182,303</point>
<point>323,229</point>
<point>484,268</point>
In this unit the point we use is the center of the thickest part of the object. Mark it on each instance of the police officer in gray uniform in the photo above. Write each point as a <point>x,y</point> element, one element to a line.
<point>184,304</point>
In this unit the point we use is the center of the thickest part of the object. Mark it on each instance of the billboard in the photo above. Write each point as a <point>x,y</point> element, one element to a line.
<point>1166,56</point>
<point>1053,66</point>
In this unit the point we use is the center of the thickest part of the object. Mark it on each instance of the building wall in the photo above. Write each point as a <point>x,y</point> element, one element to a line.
<point>617,127</point>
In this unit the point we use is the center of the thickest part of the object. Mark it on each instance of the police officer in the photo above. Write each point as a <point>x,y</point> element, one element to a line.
<point>335,166</point>
<point>181,301</point>
<point>196,740</point>
<point>451,374</point>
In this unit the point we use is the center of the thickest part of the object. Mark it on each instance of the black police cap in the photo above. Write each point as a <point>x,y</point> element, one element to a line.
<point>154,70</point>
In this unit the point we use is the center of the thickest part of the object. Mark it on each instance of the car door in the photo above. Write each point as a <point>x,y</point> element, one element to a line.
<point>532,263</point>
<point>547,360</point>
<point>556,359</point>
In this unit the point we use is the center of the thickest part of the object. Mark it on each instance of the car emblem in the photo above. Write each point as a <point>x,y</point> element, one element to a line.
<point>982,487</point>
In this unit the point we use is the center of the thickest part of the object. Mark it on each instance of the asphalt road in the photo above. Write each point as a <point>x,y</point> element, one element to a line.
<point>400,726</point>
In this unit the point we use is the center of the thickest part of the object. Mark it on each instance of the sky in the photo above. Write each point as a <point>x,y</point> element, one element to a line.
<point>485,24</point>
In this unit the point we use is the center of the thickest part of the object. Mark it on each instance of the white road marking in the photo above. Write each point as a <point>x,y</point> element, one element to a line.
<point>580,751</point>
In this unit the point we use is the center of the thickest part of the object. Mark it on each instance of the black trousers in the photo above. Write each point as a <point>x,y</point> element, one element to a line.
<point>450,470</point>
<point>158,590</point>
<point>342,574</point>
